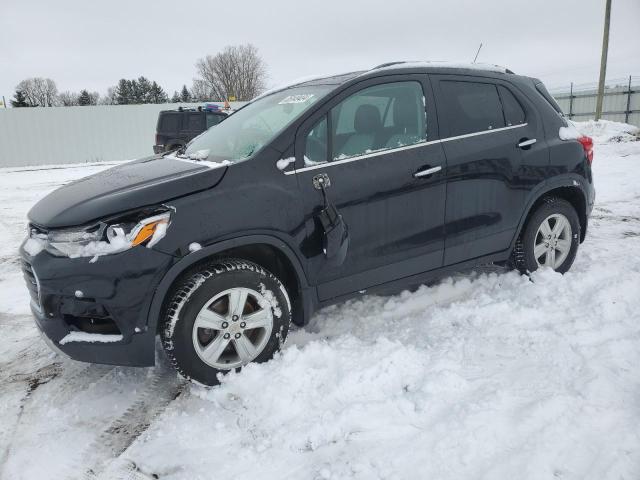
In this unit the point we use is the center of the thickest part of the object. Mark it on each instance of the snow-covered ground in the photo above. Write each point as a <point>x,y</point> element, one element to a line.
<point>486,375</point>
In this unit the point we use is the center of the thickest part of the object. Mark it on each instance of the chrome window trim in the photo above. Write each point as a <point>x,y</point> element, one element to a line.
<point>399,149</point>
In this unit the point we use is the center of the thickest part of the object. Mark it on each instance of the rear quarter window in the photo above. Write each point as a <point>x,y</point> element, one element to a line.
<point>550,100</point>
<point>513,111</point>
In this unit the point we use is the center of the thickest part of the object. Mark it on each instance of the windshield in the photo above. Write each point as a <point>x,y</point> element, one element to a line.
<point>250,128</point>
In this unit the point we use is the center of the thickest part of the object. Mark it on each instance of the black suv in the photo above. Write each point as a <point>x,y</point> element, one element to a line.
<point>367,182</point>
<point>178,127</point>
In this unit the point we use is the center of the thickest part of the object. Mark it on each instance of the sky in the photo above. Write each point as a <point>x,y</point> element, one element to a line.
<point>92,44</point>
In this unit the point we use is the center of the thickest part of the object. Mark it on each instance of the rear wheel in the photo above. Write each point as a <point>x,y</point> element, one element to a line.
<point>223,317</point>
<point>550,238</point>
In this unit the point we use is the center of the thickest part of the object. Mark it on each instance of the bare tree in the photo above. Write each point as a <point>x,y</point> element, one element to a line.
<point>95,98</point>
<point>72,99</point>
<point>200,92</point>
<point>68,99</point>
<point>110,98</point>
<point>39,92</point>
<point>237,71</point>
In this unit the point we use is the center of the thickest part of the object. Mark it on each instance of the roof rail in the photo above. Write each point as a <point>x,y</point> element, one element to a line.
<point>388,64</point>
<point>474,66</point>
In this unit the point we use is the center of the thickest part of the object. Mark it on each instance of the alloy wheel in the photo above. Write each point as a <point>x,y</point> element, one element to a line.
<point>553,241</point>
<point>232,328</point>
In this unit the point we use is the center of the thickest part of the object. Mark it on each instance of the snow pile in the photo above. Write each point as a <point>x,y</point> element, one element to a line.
<point>604,131</point>
<point>492,373</point>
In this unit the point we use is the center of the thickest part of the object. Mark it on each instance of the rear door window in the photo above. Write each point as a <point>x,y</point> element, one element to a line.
<point>513,112</point>
<point>471,107</point>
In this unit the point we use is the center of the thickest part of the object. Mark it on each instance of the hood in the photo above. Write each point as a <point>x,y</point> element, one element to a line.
<point>124,187</point>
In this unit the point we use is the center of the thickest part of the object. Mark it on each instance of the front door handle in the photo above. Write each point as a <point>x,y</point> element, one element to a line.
<point>427,171</point>
<point>524,143</point>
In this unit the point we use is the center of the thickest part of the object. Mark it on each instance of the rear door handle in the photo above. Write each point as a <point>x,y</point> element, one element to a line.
<point>526,143</point>
<point>426,172</point>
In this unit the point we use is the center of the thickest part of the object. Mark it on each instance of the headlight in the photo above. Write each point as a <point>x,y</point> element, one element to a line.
<point>110,236</point>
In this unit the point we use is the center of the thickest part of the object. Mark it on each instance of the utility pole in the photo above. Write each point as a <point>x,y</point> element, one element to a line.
<point>603,59</point>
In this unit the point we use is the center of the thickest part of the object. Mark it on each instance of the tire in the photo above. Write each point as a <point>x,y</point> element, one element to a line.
<point>236,308</point>
<point>554,211</point>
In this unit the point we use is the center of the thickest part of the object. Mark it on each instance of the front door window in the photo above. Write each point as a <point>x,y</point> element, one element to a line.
<point>378,118</point>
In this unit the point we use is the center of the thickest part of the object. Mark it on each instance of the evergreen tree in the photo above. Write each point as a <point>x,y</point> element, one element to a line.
<point>142,90</point>
<point>139,91</point>
<point>156,94</point>
<point>84,98</point>
<point>19,100</point>
<point>124,92</point>
<point>175,98</point>
<point>185,96</point>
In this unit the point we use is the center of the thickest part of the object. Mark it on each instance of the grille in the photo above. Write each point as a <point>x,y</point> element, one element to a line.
<point>32,283</point>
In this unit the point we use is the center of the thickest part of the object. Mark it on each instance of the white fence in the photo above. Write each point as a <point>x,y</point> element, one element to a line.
<point>57,135</point>
<point>621,101</point>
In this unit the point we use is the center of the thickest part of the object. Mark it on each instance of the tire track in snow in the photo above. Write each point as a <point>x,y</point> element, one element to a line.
<point>33,380</point>
<point>101,460</point>
<point>83,378</point>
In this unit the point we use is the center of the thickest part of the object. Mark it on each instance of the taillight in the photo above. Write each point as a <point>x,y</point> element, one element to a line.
<point>587,145</point>
<point>158,140</point>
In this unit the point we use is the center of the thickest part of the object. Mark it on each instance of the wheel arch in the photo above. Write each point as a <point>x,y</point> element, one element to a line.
<point>269,252</point>
<point>570,190</point>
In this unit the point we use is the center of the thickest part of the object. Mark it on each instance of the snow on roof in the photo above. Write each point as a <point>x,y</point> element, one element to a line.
<point>443,64</point>
<point>289,84</point>
<point>307,79</point>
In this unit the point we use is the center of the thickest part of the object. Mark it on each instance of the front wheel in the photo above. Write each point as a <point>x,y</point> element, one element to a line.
<point>223,317</point>
<point>550,238</point>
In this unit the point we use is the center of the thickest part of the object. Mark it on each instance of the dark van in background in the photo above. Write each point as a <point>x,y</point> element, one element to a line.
<point>176,128</point>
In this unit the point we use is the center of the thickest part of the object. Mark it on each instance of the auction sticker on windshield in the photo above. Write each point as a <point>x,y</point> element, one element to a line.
<point>295,99</point>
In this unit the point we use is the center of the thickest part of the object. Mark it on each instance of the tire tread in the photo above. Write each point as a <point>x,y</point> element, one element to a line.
<point>184,291</point>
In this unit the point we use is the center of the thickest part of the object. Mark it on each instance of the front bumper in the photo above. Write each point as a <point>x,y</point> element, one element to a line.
<point>110,297</point>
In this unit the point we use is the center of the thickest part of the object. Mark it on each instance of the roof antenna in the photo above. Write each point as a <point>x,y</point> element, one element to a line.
<point>477,53</point>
